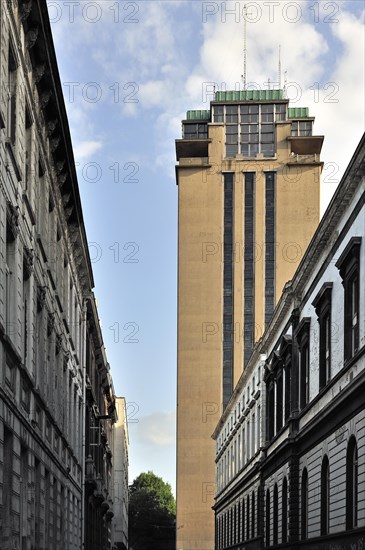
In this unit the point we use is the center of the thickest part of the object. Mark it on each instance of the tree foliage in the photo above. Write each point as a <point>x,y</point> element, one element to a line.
<point>152,511</point>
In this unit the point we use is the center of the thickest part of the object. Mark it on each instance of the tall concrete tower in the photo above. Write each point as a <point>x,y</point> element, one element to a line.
<point>248,177</point>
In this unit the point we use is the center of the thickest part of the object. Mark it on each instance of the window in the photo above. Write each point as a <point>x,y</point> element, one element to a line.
<point>248,516</point>
<point>248,441</point>
<point>325,495</point>
<point>12,76</point>
<point>218,113</point>
<point>349,266</point>
<point>24,494</point>
<point>302,335</point>
<point>25,396</point>
<point>253,514</point>
<point>7,490</point>
<point>270,235</point>
<point>268,517</point>
<point>286,359</point>
<point>276,513</point>
<point>284,514</point>
<point>234,524</point>
<point>322,305</point>
<point>249,266</point>
<point>10,373</point>
<point>255,126</point>
<point>238,521</point>
<point>301,127</point>
<point>195,131</point>
<point>228,288</point>
<point>48,431</point>
<point>279,401</point>
<point>253,434</point>
<point>270,417</point>
<point>304,504</point>
<point>243,520</point>
<point>351,485</point>
<point>28,151</point>
<point>10,266</point>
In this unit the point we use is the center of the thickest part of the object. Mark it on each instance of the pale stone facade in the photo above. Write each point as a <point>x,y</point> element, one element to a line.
<point>297,480</point>
<point>248,185</point>
<point>120,465</point>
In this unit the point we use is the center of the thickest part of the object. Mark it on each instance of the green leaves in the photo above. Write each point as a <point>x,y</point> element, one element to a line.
<point>152,511</point>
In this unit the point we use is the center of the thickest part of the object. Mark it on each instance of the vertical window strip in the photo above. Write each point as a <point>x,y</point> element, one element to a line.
<point>270,238</point>
<point>249,266</point>
<point>228,288</point>
<point>304,505</point>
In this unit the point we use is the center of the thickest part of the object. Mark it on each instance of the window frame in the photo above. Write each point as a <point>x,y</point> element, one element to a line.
<point>348,265</point>
<point>302,335</point>
<point>304,505</point>
<point>284,511</point>
<point>352,469</point>
<point>323,307</point>
<point>325,496</point>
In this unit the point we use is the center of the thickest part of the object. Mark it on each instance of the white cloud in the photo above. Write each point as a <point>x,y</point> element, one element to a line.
<point>86,149</point>
<point>157,429</point>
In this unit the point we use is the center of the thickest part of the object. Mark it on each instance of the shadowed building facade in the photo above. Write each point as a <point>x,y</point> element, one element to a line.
<point>248,178</point>
<point>290,445</point>
<point>57,402</point>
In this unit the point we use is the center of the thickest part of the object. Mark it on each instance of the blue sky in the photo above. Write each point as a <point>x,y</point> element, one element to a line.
<point>130,71</point>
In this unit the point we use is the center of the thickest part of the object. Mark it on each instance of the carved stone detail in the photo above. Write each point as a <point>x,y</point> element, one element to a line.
<point>51,126</point>
<point>59,166</point>
<point>58,343</point>
<point>31,37</point>
<point>41,297</point>
<point>12,217</point>
<point>54,143</point>
<point>45,97</point>
<point>25,10</point>
<point>28,262</point>
<point>50,324</point>
<point>39,72</point>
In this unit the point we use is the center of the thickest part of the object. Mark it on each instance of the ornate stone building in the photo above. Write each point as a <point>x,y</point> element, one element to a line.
<point>290,446</point>
<point>57,403</point>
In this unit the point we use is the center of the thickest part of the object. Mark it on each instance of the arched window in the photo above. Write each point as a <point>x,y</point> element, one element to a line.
<point>276,515</point>
<point>304,504</point>
<point>268,517</point>
<point>325,495</point>
<point>253,514</point>
<point>351,484</point>
<point>284,513</point>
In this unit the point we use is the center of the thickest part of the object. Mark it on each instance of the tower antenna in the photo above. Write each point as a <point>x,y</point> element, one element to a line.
<point>244,46</point>
<point>285,82</point>
<point>279,67</point>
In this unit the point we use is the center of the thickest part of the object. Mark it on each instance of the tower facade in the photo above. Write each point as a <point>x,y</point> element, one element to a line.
<point>248,177</point>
